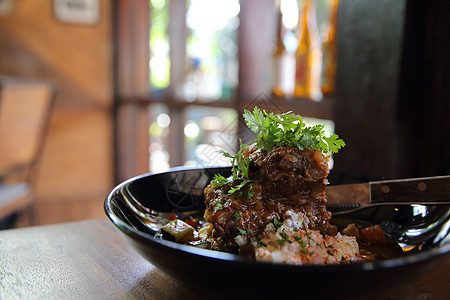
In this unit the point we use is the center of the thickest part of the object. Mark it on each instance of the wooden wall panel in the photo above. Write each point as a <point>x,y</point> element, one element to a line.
<point>368,72</point>
<point>77,158</point>
<point>77,56</point>
<point>77,162</point>
<point>392,106</point>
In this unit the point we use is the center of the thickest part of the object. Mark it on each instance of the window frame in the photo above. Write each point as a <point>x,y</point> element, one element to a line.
<point>132,90</point>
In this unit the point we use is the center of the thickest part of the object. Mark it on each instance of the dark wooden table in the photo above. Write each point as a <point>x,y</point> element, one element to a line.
<point>91,260</point>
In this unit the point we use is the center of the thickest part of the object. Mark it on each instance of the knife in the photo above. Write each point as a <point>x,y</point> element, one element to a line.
<point>424,190</point>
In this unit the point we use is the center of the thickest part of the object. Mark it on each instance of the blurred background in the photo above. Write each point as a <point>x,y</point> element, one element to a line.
<point>146,85</point>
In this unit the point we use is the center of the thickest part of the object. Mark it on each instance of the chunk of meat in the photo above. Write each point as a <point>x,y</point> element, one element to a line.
<point>295,178</point>
<point>286,178</point>
<point>233,215</point>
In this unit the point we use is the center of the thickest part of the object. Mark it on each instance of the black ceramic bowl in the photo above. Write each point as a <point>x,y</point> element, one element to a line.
<point>140,205</point>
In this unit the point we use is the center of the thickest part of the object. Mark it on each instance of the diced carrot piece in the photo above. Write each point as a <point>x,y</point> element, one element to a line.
<point>374,235</point>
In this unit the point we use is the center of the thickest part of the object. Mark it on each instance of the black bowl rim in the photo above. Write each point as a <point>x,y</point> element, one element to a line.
<point>223,256</point>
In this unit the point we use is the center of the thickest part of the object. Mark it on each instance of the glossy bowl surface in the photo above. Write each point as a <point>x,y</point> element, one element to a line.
<point>140,205</point>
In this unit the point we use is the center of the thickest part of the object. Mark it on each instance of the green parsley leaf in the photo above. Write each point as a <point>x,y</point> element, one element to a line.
<point>302,243</point>
<point>241,231</point>
<point>219,205</point>
<point>277,223</point>
<point>284,235</point>
<point>258,242</point>
<point>249,192</point>
<point>226,154</point>
<point>238,187</point>
<point>254,120</point>
<point>281,242</point>
<point>334,143</point>
<point>240,174</point>
<point>219,180</point>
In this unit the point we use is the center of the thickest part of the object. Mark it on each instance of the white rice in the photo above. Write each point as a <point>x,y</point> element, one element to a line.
<point>293,243</point>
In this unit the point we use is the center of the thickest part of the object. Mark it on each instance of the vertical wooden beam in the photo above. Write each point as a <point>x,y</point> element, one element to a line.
<point>177,32</point>
<point>257,33</point>
<point>132,47</point>
<point>177,39</point>
<point>132,56</point>
<point>176,137</point>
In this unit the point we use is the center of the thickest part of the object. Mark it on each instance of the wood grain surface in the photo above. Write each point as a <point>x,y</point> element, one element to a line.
<point>91,260</point>
<point>83,260</point>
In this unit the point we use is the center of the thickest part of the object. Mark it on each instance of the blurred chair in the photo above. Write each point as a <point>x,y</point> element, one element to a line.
<point>25,109</point>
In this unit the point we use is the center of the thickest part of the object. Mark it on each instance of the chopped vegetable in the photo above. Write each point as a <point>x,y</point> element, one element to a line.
<point>374,235</point>
<point>205,231</point>
<point>179,230</point>
<point>277,223</point>
<point>192,221</point>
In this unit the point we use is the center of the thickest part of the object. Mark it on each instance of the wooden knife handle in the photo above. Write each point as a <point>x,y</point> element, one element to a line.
<point>427,189</point>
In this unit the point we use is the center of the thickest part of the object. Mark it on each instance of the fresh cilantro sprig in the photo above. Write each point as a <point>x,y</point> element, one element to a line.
<point>289,129</point>
<point>240,173</point>
<point>272,131</point>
